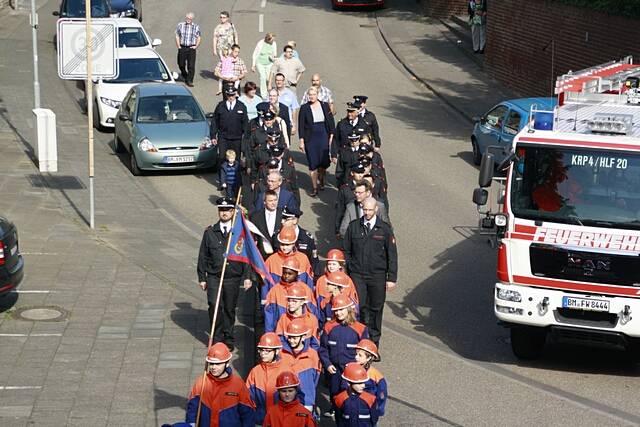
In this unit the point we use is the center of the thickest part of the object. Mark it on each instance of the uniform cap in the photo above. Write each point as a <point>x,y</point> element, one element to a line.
<point>339,302</point>
<point>269,115</point>
<point>291,212</point>
<point>292,264</point>
<point>218,353</point>
<point>225,203</point>
<point>269,340</point>
<point>360,98</point>
<point>277,149</point>
<point>357,167</point>
<point>287,379</point>
<point>365,161</point>
<point>335,255</point>
<point>352,107</point>
<point>354,135</point>
<point>287,235</point>
<point>357,104</point>
<point>273,133</point>
<point>230,90</point>
<point>296,291</point>
<point>296,328</point>
<point>262,107</point>
<point>273,163</point>
<point>370,347</point>
<point>355,373</point>
<point>338,278</point>
<point>365,149</point>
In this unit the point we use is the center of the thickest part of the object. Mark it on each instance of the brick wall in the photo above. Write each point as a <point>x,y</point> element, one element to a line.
<point>444,8</point>
<point>518,30</point>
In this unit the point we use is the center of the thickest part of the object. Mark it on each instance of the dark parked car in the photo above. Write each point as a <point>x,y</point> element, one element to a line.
<point>11,262</point>
<point>127,9</point>
<point>76,9</point>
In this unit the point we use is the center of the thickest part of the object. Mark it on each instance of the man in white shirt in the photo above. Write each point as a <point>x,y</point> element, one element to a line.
<point>268,219</point>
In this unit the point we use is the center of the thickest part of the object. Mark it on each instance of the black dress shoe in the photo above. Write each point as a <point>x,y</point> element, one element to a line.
<point>189,84</point>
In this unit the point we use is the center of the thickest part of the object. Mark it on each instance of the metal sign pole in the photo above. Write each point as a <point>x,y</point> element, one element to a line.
<point>89,93</point>
<point>34,38</point>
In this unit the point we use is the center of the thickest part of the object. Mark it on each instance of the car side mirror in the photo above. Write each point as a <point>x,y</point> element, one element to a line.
<point>487,166</point>
<point>124,117</point>
<point>55,13</point>
<point>156,42</point>
<point>175,75</point>
<point>480,196</point>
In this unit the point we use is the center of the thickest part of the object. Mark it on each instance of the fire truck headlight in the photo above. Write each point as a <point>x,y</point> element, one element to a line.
<point>509,295</point>
<point>501,220</point>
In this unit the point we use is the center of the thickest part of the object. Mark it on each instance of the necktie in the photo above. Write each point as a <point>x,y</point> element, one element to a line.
<point>224,231</point>
<point>366,227</point>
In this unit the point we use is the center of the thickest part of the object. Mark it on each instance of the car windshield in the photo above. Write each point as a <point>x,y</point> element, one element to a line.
<point>131,37</point>
<point>138,70</point>
<point>577,186</point>
<point>169,108</point>
<point>76,8</point>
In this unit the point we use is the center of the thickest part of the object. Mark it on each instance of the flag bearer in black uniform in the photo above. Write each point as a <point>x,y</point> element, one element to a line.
<point>210,261</point>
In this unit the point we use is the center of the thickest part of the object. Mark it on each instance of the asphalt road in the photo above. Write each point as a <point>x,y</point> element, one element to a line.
<point>446,359</point>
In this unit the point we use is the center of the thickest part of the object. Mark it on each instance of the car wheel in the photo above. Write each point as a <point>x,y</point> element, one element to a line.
<point>117,145</point>
<point>133,164</point>
<point>527,342</point>
<point>477,156</point>
<point>96,118</point>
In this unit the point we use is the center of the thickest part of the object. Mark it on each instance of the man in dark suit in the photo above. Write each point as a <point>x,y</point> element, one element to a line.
<point>230,124</point>
<point>285,197</point>
<point>282,109</point>
<point>355,208</point>
<point>346,194</point>
<point>268,219</point>
<point>368,117</point>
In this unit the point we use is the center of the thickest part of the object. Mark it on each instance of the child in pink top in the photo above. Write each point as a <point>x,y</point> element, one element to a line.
<point>227,62</point>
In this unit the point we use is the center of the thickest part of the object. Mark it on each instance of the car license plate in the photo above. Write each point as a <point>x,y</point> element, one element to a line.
<point>178,159</point>
<point>14,250</point>
<point>585,304</point>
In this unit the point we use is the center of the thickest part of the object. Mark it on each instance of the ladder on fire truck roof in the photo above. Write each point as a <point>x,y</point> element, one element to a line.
<point>603,78</point>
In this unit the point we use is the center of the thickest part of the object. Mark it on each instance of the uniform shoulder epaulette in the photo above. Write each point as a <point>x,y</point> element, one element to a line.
<point>309,235</point>
<point>368,397</point>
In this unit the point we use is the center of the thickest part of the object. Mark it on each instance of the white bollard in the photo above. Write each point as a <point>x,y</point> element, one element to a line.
<point>47,141</point>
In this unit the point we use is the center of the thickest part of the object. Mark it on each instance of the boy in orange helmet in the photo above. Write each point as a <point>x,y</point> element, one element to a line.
<point>289,412</point>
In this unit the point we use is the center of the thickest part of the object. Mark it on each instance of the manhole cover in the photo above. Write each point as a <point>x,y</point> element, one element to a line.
<point>41,314</point>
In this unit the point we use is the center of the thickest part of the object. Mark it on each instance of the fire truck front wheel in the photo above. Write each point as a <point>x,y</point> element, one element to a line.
<point>527,342</point>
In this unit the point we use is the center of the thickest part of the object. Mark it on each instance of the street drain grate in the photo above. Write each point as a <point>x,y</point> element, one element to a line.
<point>48,313</point>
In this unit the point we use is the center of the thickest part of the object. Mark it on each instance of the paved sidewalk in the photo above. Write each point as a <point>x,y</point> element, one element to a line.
<point>430,52</point>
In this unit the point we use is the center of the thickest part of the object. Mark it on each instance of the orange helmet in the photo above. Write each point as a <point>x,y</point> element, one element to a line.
<point>341,301</point>
<point>287,235</point>
<point>270,340</point>
<point>338,278</point>
<point>296,328</point>
<point>218,353</point>
<point>287,379</point>
<point>355,373</point>
<point>292,264</point>
<point>370,347</point>
<point>296,291</point>
<point>335,255</point>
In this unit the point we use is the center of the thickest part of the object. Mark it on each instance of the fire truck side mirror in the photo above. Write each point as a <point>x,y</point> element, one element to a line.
<point>487,166</point>
<point>480,196</point>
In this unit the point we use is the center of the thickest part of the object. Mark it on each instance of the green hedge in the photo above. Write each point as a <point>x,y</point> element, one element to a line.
<point>626,8</point>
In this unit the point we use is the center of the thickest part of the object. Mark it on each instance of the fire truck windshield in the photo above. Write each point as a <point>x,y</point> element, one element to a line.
<point>577,186</point>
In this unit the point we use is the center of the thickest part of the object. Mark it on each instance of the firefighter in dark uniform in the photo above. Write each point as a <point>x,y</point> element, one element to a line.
<point>372,263</point>
<point>210,262</point>
<point>230,124</point>
<point>346,157</point>
<point>346,195</point>
<point>373,163</point>
<point>305,243</point>
<point>345,127</point>
<point>286,169</point>
<point>369,118</point>
<point>378,189</point>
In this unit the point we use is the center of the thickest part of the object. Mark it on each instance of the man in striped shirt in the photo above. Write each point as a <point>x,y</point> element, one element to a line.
<point>187,41</point>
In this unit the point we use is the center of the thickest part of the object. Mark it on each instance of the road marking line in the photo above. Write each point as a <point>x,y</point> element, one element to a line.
<point>263,4</point>
<point>575,399</point>
<point>29,292</point>
<point>30,335</point>
<point>20,387</point>
<point>261,23</point>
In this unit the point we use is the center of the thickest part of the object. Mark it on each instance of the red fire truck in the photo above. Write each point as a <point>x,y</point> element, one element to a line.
<point>567,216</point>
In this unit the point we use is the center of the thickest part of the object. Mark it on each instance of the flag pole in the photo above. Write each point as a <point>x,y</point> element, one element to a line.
<point>215,312</point>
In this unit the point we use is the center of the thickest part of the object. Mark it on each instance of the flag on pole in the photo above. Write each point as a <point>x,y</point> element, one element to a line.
<point>243,248</point>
